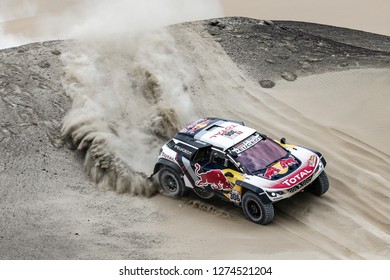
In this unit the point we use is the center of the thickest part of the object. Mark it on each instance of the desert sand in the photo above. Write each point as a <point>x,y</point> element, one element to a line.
<point>82,122</point>
<point>356,14</point>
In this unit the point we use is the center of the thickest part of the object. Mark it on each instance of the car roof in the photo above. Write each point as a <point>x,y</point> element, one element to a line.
<point>220,133</point>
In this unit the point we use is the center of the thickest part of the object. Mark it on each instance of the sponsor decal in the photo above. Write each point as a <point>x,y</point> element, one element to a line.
<point>195,126</point>
<point>287,162</point>
<point>298,177</point>
<point>300,185</point>
<point>215,178</point>
<point>279,168</point>
<point>228,132</point>
<point>183,150</point>
<point>168,157</point>
<point>235,196</point>
<point>245,145</point>
<point>271,172</point>
<point>312,160</point>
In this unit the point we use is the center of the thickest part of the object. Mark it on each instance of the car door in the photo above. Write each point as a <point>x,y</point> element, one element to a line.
<point>210,172</point>
<point>233,173</point>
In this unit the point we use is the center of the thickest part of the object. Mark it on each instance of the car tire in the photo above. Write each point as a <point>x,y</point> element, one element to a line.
<point>255,210</point>
<point>171,183</point>
<point>320,185</point>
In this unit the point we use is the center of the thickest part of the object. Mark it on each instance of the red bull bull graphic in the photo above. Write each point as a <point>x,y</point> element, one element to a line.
<point>195,126</point>
<point>271,172</point>
<point>215,178</point>
<point>279,168</point>
<point>287,162</point>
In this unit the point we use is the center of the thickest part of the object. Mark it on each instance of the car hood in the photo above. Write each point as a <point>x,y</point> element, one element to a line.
<point>303,173</point>
<point>282,168</point>
<point>295,168</point>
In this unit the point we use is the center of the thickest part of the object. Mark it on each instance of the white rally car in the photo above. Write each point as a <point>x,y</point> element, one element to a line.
<point>222,158</point>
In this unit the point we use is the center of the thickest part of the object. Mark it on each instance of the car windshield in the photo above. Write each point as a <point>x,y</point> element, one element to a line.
<point>261,154</point>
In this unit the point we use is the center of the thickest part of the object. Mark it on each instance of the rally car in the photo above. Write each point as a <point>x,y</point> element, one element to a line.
<point>226,159</point>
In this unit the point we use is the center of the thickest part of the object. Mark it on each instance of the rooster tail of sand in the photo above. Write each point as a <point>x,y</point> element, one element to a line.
<point>129,97</point>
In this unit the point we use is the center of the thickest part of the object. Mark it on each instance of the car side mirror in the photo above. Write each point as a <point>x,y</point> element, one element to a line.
<point>229,174</point>
<point>283,141</point>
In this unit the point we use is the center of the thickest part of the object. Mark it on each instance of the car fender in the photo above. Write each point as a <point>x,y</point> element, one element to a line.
<point>260,192</point>
<point>320,156</point>
<point>164,162</point>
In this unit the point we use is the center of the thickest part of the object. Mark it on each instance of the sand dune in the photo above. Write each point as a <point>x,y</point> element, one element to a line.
<point>355,14</point>
<point>324,112</point>
<point>129,95</point>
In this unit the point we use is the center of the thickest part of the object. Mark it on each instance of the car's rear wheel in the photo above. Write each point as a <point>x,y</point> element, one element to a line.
<point>320,185</point>
<point>171,183</point>
<point>255,210</point>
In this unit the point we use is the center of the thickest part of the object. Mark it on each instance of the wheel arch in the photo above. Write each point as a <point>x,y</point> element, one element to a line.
<point>260,192</point>
<point>256,210</point>
<point>164,162</point>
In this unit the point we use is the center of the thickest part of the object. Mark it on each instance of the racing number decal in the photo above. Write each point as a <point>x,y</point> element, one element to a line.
<point>235,194</point>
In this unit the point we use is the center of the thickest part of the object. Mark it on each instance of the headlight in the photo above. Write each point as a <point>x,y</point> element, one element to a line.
<point>276,193</point>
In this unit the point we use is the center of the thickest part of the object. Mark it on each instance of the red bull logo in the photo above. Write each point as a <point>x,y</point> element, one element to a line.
<point>195,126</point>
<point>271,172</point>
<point>284,164</point>
<point>215,178</point>
<point>287,162</point>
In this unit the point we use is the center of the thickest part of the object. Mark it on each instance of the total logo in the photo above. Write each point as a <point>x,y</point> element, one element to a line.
<point>298,177</point>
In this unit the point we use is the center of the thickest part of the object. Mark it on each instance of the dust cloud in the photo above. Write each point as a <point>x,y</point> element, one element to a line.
<point>129,94</point>
<point>26,21</point>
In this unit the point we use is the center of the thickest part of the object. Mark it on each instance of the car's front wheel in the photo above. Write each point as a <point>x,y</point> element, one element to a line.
<point>255,210</point>
<point>320,185</point>
<point>171,183</point>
